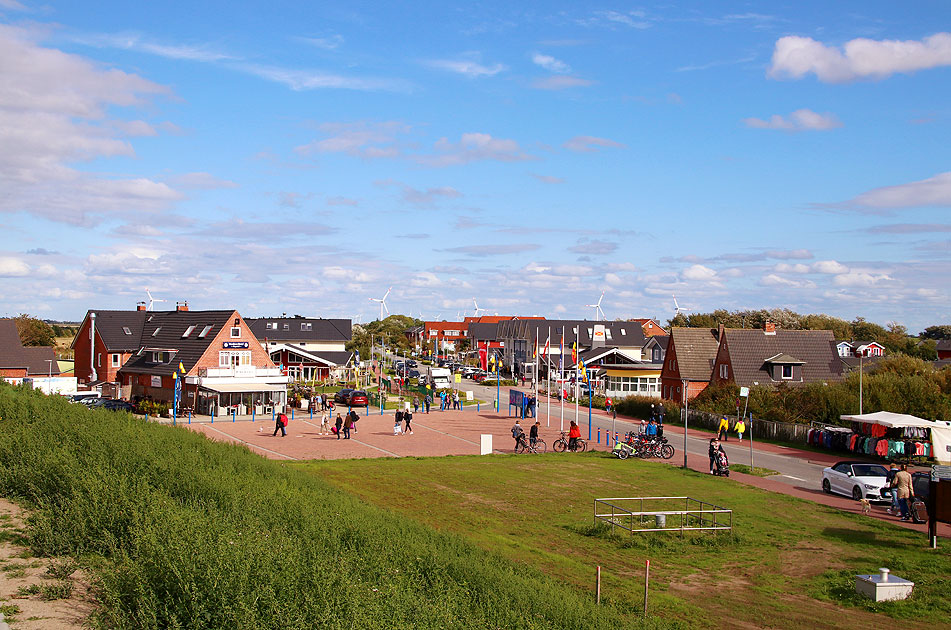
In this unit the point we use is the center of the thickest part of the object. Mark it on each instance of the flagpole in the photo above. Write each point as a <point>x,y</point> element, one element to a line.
<point>548,377</point>
<point>535,375</point>
<point>561,377</point>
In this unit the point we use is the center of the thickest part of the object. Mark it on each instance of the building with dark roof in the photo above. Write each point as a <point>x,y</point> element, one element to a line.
<point>18,361</point>
<point>769,356</point>
<point>308,348</point>
<point>943,348</point>
<point>691,353</point>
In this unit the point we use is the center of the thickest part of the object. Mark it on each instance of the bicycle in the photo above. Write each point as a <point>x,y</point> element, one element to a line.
<point>561,444</point>
<point>525,445</point>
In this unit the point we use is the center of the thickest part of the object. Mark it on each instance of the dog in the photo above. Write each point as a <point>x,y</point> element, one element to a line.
<point>866,506</point>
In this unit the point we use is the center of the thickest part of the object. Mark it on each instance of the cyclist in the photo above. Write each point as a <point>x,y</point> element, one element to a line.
<point>533,434</point>
<point>573,434</point>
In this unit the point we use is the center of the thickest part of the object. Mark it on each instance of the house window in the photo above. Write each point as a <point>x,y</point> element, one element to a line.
<point>287,326</point>
<point>271,325</point>
<point>306,326</point>
<point>188,331</point>
<point>126,330</point>
<point>115,360</point>
<point>787,371</point>
<point>235,332</point>
<point>204,332</point>
<point>724,370</point>
<point>234,358</point>
<point>156,331</point>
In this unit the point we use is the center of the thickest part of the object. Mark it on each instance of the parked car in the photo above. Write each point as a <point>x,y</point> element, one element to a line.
<point>480,376</point>
<point>859,480</point>
<point>343,396</point>
<point>413,373</point>
<point>358,398</point>
<point>119,405</point>
<point>85,396</point>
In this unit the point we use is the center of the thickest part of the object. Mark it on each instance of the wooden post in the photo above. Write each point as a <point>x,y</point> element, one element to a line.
<point>647,577</point>
<point>598,596</point>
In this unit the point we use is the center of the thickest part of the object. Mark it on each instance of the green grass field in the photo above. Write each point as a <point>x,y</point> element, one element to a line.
<point>789,562</point>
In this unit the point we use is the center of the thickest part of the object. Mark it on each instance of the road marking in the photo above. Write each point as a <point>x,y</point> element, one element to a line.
<point>796,478</point>
<point>208,426</point>
<point>382,450</point>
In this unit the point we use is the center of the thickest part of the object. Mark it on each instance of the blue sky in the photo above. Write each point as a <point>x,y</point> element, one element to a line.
<point>304,157</point>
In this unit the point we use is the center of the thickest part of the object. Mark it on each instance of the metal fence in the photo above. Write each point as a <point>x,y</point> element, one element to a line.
<point>662,514</point>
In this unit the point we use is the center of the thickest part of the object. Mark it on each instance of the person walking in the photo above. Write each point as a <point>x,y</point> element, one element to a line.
<point>325,423</point>
<point>338,426</point>
<point>517,433</point>
<point>415,404</point>
<point>723,429</point>
<point>429,401</point>
<point>398,421</point>
<point>574,434</point>
<point>892,490</point>
<point>714,453</point>
<point>740,428</point>
<point>533,434</point>
<point>354,416</point>
<point>408,418</point>
<point>904,487</point>
<point>347,425</point>
<point>279,425</point>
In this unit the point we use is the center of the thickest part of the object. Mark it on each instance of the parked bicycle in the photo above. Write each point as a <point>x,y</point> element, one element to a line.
<point>561,444</point>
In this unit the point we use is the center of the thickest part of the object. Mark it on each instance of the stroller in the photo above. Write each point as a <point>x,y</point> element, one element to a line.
<point>722,464</point>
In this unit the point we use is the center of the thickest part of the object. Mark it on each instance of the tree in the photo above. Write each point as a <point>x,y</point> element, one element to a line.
<point>33,331</point>
<point>936,332</point>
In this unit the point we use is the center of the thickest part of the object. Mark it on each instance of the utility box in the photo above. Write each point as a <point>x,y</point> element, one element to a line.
<point>883,587</point>
<point>486,446</point>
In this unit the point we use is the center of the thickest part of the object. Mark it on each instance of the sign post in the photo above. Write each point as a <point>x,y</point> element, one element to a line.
<point>745,393</point>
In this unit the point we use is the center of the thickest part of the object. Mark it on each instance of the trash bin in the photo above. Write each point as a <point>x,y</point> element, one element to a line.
<point>660,521</point>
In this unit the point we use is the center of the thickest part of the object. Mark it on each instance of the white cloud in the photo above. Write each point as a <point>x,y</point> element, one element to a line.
<point>588,144</point>
<point>774,280</point>
<point>613,279</point>
<point>474,147</point>
<point>829,267</point>
<point>560,82</point>
<point>13,267</point>
<point>327,43</point>
<point>795,57</point>
<point>633,19</point>
<point>550,63</point>
<point>368,140</point>
<point>136,42</point>
<point>471,69</point>
<point>860,279</point>
<point>934,191</point>
<point>699,272</point>
<point>795,268</point>
<point>200,181</point>
<point>300,80</point>
<point>799,120</point>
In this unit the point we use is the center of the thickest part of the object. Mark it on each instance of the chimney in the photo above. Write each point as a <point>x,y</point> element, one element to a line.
<point>140,306</point>
<point>720,332</point>
<point>770,328</point>
<point>181,306</point>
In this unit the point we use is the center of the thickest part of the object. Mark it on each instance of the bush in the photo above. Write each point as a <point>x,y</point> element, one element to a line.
<point>640,407</point>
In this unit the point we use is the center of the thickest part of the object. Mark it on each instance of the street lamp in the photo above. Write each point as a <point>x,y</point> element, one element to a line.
<point>684,381</point>
<point>861,356</point>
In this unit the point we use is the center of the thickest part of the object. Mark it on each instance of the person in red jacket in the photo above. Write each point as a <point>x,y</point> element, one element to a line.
<point>574,432</point>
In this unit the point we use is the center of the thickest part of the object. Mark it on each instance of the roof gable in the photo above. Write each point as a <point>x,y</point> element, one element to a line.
<point>301,328</point>
<point>751,351</point>
<point>36,360</point>
<point>696,351</point>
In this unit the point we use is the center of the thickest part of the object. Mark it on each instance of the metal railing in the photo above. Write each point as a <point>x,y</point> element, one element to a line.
<point>640,514</point>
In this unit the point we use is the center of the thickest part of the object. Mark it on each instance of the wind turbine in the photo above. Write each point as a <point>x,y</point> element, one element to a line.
<point>597,308</point>
<point>677,308</point>
<point>152,300</point>
<point>477,309</point>
<point>382,302</point>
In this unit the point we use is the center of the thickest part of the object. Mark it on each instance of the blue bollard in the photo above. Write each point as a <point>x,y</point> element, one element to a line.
<point>189,417</point>
<point>366,412</point>
<point>478,406</point>
<point>146,417</point>
<point>234,415</point>
<point>252,413</point>
<point>292,414</point>
<point>311,413</point>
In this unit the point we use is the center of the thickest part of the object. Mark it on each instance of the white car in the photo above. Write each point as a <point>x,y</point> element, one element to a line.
<point>859,480</point>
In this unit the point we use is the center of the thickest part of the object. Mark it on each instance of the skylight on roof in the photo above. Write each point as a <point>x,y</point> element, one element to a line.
<point>204,332</point>
<point>126,330</point>
<point>156,331</point>
<point>188,331</point>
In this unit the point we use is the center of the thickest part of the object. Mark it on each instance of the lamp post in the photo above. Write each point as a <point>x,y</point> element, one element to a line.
<point>684,381</point>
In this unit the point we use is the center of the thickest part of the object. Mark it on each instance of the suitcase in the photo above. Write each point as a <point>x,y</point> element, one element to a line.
<point>919,511</point>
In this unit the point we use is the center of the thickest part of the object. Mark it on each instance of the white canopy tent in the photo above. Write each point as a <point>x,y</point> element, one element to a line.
<point>940,429</point>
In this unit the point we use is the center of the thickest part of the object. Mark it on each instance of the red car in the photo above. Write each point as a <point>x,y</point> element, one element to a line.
<point>358,398</point>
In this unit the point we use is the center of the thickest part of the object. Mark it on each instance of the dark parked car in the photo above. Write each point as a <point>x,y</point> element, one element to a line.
<point>112,405</point>
<point>343,396</point>
<point>358,398</point>
<point>414,373</point>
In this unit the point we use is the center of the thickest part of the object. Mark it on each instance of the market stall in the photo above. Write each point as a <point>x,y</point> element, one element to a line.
<point>897,436</point>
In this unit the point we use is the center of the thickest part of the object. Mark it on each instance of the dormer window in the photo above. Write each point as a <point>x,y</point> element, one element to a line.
<point>287,326</point>
<point>623,332</point>
<point>787,371</point>
<point>126,330</point>
<point>204,332</point>
<point>270,326</point>
<point>188,331</point>
<point>306,326</point>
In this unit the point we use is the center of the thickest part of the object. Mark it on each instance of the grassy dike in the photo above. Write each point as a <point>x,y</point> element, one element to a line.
<point>182,532</point>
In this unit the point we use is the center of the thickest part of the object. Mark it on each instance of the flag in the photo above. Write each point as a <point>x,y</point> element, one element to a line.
<point>535,353</point>
<point>561,353</point>
<point>574,352</point>
<point>483,356</point>
<point>547,348</point>
<point>584,370</point>
<point>181,367</point>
